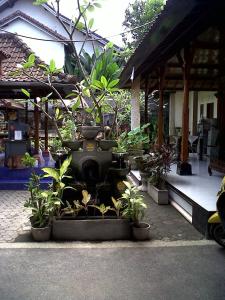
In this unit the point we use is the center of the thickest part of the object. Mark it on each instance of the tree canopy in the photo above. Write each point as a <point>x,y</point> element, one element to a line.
<point>136,16</point>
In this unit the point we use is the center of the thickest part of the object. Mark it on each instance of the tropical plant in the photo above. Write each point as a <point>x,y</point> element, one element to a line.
<point>72,210</point>
<point>43,204</point>
<point>118,205</point>
<point>102,209</point>
<point>59,175</point>
<point>135,139</point>
<point>28,161</point>
<point>134,204</point>
<point>157,165</point>
<point>86,200</point>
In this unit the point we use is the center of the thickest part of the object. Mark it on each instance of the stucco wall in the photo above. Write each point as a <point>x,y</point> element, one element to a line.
<point>43,49</point>
<point>203,98</point>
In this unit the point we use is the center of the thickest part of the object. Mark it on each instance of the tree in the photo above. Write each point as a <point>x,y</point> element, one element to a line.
<point>136,16</point>
<point>98,75</point>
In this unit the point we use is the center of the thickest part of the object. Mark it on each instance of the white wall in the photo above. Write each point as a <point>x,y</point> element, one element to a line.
<point>45,50</point>
<point>45,17</point>
<point>203,98</point>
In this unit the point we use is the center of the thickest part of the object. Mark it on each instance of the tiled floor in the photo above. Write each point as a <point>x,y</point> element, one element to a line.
<point>199,187</point>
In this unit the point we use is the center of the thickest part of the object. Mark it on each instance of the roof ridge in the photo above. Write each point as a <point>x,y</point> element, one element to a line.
<point>19,13</point>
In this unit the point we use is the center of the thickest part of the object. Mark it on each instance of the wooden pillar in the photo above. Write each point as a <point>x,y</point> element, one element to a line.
<point>185,114</point>
<point>26,112</point>
<point>36,127</point>
<point>46,126</point>
<point>195,114</point>
<point>135,103</point>
<point>160,111</point>
<point>172,114</point>
<point>146,101</point>
<point>183,167</point>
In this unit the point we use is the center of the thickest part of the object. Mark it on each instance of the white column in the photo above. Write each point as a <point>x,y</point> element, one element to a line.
<point>135,103</point>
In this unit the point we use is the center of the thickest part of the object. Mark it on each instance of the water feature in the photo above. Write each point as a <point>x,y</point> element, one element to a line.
<point>94,167</point>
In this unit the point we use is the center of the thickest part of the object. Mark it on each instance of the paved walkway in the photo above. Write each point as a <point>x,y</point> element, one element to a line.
<point>13,216</point>
<point>166,223</point>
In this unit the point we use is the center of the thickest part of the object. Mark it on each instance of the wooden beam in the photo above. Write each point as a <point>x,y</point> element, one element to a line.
<point>46,126</point>
<point>36,128</point>
<point>160,112</point>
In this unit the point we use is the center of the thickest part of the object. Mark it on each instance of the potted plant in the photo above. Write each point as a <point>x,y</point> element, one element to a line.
<point>43,205</point>
<point>142,165</point>
<point>134,210</point>
<point>72,225</point>
<point>158,165</point>
<point>135,141</point>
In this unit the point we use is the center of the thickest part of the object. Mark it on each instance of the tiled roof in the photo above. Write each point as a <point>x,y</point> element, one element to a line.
<point>16,52</point>
<point>22,15</point>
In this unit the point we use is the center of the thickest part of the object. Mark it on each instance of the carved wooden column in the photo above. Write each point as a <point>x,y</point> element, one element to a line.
<point>160,111</point>
<point>135,103</point>
<point>46,127</point>
<point>146,101</point>
<point>184,168</point>
<point>36,127</point>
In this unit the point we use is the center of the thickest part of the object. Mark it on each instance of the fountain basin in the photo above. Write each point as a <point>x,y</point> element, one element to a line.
<point>89,132</point>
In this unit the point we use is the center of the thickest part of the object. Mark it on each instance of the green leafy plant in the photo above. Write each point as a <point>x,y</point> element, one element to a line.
<point>59,175</point>
<point>43,204</point>
<point>102,209</point>
<point>28,161</point>
<point>157,165</point>
<point>86,200</point>
<point>72,210</point>
<point>134,204</point>
<point>135,139</point>
<point>118,205</point>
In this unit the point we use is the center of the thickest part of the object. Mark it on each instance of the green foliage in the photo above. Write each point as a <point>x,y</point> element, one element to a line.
<point>157,165</point>
<point>43,204</point>
<point>28,161</point>
<point>59,175</point>
<point>134,203</point>
<point>102,209</point>
<point>118,205</point>
<point>137,14</point>
<point>135,139</point>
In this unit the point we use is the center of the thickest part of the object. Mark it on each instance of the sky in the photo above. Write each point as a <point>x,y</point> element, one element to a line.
<point>108,18</point>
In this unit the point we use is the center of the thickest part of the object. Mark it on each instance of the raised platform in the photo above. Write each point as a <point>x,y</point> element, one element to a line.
<point>17,179</point>
<point>193,196</point>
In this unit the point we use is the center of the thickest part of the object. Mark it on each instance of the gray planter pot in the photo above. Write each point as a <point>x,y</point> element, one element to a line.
<point>141,233</point>
<point>91,229</point>
<point>131,158</point>
<point>159,196</point>
<point>144,182</point>
<point>41,234</point>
